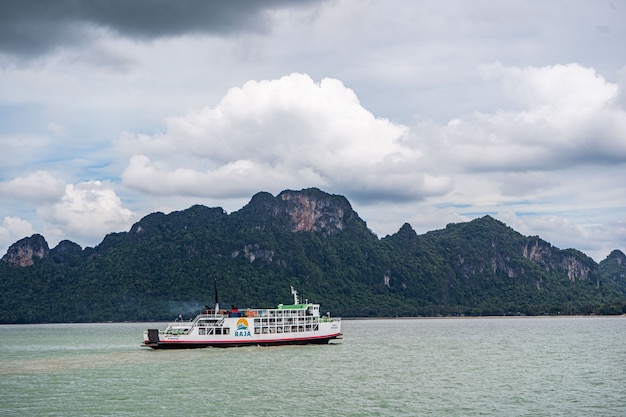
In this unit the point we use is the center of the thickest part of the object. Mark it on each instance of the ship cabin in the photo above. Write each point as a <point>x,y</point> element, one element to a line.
<point>291,318</point>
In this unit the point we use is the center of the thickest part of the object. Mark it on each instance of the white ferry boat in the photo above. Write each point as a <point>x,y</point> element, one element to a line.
<point>297,323</point>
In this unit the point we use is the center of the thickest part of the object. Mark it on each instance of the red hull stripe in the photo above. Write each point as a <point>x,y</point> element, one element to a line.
<point>240,342</point>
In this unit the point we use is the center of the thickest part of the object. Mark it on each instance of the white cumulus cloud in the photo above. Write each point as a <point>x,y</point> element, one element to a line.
<point>561,116</point>
<point>86,212</point>
<point>13,229</point>
<point>274,134</point>
<point>39,186</point>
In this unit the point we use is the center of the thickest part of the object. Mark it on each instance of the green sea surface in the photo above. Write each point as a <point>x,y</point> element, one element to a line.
<point>540,366</point>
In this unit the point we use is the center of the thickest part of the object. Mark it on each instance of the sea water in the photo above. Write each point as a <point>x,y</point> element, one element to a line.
<point>566,366</point>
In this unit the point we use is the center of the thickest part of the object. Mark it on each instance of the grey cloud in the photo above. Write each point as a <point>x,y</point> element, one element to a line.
<point>29,28</point>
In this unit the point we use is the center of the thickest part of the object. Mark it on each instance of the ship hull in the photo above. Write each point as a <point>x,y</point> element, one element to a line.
<point>189,344</point>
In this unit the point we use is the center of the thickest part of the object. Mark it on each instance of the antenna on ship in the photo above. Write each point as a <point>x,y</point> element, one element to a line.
<point>296,300</point>
<point>217,303</point>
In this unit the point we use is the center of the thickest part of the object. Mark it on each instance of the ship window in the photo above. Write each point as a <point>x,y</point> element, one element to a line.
<point>226,330</point>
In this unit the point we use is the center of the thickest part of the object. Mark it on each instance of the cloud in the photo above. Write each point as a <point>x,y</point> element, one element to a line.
<point>13,229</point>
<point>38,187</point>
<point>56,129</point>
<point>17,149</point>
<point>34,27</point>
<point>562,116</point>
<point>620,100</point>
<point>286,133</point>
<point>86,211</point>
<point>293,132</point>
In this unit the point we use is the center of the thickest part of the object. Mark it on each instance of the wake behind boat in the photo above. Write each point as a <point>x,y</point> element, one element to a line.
<point>297,323</point>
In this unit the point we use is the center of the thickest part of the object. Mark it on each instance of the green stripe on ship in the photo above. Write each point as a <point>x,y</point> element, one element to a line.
<point>292,307</point>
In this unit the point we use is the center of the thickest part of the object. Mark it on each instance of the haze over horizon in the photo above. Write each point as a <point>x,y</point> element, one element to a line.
<point>426,112</point>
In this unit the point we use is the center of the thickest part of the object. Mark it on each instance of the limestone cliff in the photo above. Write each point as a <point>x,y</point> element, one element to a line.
<point>305,211</point>
<point>577,265</point>
<point>25,251</point>
<point>309,210</point>
<point>315,211</point>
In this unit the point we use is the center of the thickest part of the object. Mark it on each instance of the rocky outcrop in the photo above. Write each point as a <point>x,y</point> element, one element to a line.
<point>253,252</point>
<point>576,270</point>
<point>25,251</point>
<point>575,264</point>
<point>315,211</point>
<point>538,251</point>
<point>500,263</point>
<point>308,210</point>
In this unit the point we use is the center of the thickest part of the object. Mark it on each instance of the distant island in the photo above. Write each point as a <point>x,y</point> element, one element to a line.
<point>166,264</point>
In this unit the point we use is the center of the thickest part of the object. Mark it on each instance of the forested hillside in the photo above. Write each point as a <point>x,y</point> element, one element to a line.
<point>167,263</point>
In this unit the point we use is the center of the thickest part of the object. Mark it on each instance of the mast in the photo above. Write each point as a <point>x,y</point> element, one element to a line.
<point>296,300</point>
<point>217,303</point>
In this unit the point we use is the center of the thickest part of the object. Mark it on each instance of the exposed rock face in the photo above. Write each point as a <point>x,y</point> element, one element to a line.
<point>252,252</point>
<point>576,270</point>
<point>24,251</point>
<point>576,265</point>
<point>309,210</point>
<point>500,263</point>
<point>315,211</point>
<point>537,251</point>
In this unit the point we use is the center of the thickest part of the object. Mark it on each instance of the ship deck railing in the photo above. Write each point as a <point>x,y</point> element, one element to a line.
<point>281,311</point>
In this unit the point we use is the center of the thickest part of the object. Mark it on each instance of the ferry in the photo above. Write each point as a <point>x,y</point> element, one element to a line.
<point>292,324</point>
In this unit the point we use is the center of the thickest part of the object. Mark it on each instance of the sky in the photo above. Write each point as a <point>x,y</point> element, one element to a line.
<point>420,112</point>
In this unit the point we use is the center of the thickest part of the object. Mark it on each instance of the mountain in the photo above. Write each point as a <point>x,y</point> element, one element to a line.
<point>25,251</point>
<point>613,269</point>
<point>166,264</point>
